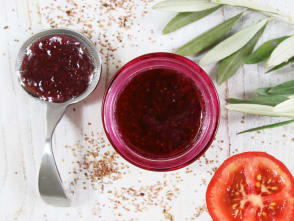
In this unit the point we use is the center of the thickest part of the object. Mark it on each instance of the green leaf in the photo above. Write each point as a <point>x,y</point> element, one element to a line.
<point>286,106</point>
<point>286,88</point>
<point>280,66</point>
<point>230,65</point>
<point>184,5</point>
<point>263,91</point>
<point>265,100</point>
<point>282,53</point>
<point>264,51</point>
<point>232,44</point>
<point>258,6</point>
<point>184,18</point>
<point>208,38</point>
<point>280,124</point>
<point>258,109</point>
<point>248,4</point>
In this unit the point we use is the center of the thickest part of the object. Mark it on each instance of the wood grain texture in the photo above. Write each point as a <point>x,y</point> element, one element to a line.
<point>119,40</point>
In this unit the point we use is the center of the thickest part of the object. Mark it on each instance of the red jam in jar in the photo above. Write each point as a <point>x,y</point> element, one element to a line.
<point>56,68</point>
<point>159,112</point>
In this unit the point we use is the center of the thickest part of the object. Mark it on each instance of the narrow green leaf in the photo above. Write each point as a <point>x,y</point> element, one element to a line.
<point>264,100</point>
<point>184,18</point>
<point>286,88</point>
<point>264,51</point>
<point>232,44</point>
<point>280,124</point>
<point>257,109</point>
<point>184,5</point>
<point>286,106</point>
<point>230,65</point>
<point>263,91</point>
<point>248,4</point>
<point>208,38</point>
<point>258,6</point>
<point>282,53</point>
<point>280,66</point>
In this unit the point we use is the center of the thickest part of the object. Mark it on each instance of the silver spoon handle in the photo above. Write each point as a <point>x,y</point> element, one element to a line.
<point>50,184</point>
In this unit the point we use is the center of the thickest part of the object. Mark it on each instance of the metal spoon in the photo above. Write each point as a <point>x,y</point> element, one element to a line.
<point>50,183</point>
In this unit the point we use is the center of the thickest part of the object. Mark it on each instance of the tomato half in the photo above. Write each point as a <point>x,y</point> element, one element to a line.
<point>251,186</point>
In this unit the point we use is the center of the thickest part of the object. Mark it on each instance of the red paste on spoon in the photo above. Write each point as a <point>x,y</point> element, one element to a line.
<point>56,68</point>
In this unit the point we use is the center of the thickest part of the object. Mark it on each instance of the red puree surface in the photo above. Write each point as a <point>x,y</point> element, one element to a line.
<point>159,113</point>
<point>56,68</point>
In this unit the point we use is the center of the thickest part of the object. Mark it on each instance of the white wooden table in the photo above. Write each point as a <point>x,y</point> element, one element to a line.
<point>121,32</point>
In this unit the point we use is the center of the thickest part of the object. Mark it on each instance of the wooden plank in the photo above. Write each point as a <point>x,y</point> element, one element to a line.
<point>132,29</point>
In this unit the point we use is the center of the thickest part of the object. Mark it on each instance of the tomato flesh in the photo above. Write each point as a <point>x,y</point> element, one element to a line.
<point>251,186</point>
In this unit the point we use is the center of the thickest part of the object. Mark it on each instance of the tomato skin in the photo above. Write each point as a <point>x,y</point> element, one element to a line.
<point>215,210</point>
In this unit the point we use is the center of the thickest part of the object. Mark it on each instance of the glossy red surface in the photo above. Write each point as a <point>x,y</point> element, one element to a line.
<point>169,159</point>
<point>159,112</point>
<point>56,68</point>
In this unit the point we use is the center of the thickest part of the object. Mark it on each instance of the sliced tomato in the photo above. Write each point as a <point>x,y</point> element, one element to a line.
<point>251,186</point>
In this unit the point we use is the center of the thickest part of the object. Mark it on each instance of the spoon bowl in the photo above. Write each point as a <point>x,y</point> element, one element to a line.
<point>91,49</point>
<point>51,187</point>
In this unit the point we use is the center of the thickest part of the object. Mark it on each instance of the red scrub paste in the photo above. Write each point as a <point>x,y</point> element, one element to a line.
<point>56,68</point>
<point>159,112</point>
